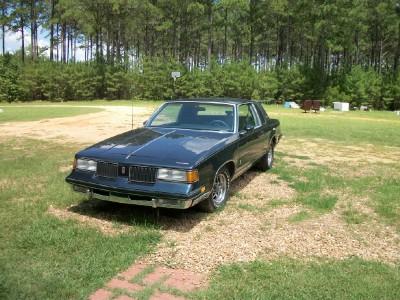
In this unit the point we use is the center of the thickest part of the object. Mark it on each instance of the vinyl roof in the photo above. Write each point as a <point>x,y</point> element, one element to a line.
<point>222,100</point>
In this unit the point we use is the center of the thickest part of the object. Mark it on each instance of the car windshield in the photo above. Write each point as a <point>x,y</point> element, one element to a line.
<point>195,115</point>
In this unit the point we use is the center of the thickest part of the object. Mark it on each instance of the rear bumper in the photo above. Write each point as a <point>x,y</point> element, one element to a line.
<point>126,198</point>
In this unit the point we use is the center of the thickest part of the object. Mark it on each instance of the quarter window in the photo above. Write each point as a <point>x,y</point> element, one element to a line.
<point>246,117</point>
<point>256,116</point>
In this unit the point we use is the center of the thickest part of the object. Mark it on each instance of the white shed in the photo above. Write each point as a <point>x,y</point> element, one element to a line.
<point>341,106</point>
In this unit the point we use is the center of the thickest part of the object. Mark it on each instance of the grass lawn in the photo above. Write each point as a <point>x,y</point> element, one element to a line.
<point>45,257</point>
<point>355,127</point>
<point>23,113</point>
<point>292,279</point>
<point>41,256</point>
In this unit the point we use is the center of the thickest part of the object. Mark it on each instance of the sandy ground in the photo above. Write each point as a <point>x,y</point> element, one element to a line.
<point>236,234</point>
<point>250,226</point>
<point>86,129</point>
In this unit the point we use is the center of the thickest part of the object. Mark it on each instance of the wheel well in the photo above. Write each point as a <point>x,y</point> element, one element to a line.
<point>231,168</point>
<point>273,141</point>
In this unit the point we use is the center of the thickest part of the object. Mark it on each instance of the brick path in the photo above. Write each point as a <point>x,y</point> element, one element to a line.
<point>159,282</point>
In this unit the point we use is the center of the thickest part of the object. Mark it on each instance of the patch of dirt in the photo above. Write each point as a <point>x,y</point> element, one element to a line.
<point>5,183</point>
<point>64,169</point>
<point>240,235</point>
<point>257,189</point>
<point>327,153</point>
<point>104,226</point>
<point>86,129</point>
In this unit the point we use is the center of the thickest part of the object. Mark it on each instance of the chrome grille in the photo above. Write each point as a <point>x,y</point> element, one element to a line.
<point>107,169</point>
<point>142,174</point>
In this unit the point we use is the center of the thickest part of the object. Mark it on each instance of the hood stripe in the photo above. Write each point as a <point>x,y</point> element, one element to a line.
<point>145,145</point>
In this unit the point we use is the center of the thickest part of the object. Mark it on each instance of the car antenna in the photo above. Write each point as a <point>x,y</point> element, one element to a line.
<point>132,115</point>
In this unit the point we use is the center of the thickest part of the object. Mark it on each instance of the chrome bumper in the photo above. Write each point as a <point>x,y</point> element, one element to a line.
<point>154,202</point>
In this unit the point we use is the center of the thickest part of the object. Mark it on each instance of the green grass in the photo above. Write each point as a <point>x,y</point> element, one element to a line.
<point>316,189</point>
<point>352,216</point>
<point>43,257</point>
<point>311,184</point>
<point>291,279</point>
<point>378,128</point>
<point>24,113</point>
<point>300,216</point>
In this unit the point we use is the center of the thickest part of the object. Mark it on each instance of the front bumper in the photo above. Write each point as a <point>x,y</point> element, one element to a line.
<point>106,195</point>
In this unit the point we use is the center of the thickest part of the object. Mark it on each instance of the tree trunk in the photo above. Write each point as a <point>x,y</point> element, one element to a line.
<point>397,55</point>
<point>210,24</point>
<point>225,33</point>
<point>52,31</point>
<point>58,42</point>
<point>63,42</point>
<point>33,30</point>
<point>3,30</point>
<point>22,39</point>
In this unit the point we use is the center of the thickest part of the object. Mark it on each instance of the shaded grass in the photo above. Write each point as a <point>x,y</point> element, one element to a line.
<point>24,113</point>
<point>42,257</point>
<point>292,279</point>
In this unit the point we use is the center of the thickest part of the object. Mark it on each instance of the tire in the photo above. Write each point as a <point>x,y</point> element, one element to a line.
<point>267,161</point>
<point>219,194</point>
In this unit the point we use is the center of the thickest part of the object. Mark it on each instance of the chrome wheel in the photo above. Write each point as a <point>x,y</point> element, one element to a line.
<point>219,189</point>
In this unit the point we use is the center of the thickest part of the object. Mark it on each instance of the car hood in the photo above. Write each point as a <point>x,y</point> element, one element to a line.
<point>178,148</point>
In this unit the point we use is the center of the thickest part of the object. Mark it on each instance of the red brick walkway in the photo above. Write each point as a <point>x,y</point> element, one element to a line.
<point>159,282</point>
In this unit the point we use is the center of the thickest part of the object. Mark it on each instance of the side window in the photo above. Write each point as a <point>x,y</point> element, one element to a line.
<point>246,117</point>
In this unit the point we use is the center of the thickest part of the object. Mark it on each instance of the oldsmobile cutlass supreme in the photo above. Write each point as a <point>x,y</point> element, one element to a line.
<point>187,153</point>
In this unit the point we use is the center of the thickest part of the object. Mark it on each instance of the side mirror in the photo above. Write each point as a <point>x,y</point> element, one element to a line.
<point>247,129</point>
<point>145,122</point>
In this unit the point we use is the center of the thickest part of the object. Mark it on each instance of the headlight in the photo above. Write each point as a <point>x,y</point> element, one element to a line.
<point>178,175</point>
<point>86,165</point>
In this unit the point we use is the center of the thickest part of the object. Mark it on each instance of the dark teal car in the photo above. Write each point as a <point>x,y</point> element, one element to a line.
<point>187,153</point>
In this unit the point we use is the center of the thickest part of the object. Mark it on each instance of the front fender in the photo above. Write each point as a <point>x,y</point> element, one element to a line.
<point>210,166</point>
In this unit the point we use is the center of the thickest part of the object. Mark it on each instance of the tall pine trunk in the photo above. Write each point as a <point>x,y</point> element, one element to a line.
<point>52,31</point>
<point>33,31</point>
<point>210,25</point>
<point>397,55</point>
<point>225,33</point>
<point>22,23</point>
<point>3,31</point>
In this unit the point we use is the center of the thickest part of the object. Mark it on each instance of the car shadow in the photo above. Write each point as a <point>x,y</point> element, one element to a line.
<point>166,219</point>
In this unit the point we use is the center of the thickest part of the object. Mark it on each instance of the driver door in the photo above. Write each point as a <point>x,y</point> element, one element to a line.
<point>248,149</point>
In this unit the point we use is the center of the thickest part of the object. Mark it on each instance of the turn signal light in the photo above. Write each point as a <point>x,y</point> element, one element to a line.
<point>192,176</point>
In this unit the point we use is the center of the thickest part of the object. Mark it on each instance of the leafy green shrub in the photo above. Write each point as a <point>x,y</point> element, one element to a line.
<point>363,87</point>
<point>151,79</point>
<point>10,88</point>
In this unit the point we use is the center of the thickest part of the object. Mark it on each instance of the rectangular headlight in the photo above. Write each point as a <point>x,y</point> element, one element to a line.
<point>178,175</point>
<point>86,165</point>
